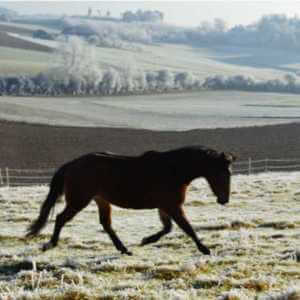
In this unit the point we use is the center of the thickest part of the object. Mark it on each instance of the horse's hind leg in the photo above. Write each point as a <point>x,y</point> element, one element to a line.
<point>66,215</point>
<point>179,217</point>
<point>167,227</point>
<point>105,220</point>
<point>74,204</point>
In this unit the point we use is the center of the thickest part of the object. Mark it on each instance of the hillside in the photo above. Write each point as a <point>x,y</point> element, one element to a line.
<point>9,41</point>
<point>201,60</point>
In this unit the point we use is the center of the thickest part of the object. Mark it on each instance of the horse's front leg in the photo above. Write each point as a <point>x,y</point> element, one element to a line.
<point>178,215</point>
<point>105,220</point>
<point>167,227</point>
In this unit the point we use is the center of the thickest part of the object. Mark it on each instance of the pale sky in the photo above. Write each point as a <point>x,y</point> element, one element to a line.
<point>186,13</point>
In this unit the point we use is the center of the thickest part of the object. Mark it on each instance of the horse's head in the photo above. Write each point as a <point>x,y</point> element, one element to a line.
<point>189,163</point>
<point>218,177</point>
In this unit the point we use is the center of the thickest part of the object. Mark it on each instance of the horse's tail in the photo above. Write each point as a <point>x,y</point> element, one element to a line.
<point>56,190</point>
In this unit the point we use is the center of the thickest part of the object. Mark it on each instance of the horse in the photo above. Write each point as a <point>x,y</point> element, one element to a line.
<point>152,180</point>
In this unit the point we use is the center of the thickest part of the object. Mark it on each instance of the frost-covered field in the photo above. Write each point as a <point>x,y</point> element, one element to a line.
<point>201,61</point>
<point>18,61</point>
<point>182,111</point>
<point>204,62</point>
<point>255,242</point>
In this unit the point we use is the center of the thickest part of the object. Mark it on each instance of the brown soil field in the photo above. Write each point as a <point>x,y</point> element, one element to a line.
<point>14,29</point>
<point>13,42</point>
<point>39,146</point>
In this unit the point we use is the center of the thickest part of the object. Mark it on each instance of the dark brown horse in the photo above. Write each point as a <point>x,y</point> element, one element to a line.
<point>152,180</point>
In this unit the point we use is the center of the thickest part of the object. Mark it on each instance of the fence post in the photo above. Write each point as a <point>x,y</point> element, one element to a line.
<point>7,177</point>
<point>249,166</point>
<point>266,165</point>
<point>1,178</point>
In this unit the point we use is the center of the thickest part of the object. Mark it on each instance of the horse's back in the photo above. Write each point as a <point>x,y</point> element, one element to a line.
<point>138,182</point>
<point>129,182</point>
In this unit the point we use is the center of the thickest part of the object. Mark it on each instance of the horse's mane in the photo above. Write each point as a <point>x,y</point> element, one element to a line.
<point>205,151</point>
<point>113,155</point>
<point>152,154</point>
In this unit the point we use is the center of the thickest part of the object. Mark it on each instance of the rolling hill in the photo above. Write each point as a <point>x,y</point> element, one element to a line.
<point>202,61</point>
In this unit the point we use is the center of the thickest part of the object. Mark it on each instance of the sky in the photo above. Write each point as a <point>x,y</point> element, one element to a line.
<point>183,13</point>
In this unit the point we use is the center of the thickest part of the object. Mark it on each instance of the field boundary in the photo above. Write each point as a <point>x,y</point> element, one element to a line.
<point>251,166</point>
<point>25,177</point>
<point>29,177</point>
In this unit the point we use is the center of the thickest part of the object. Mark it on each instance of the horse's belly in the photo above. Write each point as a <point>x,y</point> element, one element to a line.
<point>134,203</point>
<point>133,195</point>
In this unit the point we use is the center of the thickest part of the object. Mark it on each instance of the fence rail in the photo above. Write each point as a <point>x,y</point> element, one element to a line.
<point>25,177</point>
<point>29,177</point>
<point>266,165</point>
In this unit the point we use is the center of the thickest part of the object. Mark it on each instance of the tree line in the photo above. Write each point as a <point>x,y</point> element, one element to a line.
<point>76,72</point>
<point>270,31</point>
<point>275,31</point>
<point>114,82</point>
<point>143,16</point>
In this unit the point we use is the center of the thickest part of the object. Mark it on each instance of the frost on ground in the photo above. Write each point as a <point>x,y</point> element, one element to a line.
<point>255,242</point>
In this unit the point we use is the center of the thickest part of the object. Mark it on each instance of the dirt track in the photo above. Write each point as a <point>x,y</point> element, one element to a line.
<point>39,146</point>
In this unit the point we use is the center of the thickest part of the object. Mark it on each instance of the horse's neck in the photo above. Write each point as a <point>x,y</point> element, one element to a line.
<point>182,168</point>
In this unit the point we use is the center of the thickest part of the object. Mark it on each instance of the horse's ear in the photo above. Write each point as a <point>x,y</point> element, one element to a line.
<point>229,157</point>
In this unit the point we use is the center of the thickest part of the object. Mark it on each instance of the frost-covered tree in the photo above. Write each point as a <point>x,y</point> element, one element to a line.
<point>143,16</point>
<point>76,56</point>
<point>165,79</point>
<point>76,66</point>
<point>184,80</point>
<point>2,85</point>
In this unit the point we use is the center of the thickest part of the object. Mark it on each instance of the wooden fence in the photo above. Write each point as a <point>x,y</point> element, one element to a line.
<point>30,177</point>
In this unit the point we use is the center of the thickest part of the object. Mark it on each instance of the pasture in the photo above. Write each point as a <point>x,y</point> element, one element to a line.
<point>255,244</point>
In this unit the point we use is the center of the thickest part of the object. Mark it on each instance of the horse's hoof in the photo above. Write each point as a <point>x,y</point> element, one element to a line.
<point>127,252</point>
<point>144,242</point>
<point>47,246</point>
<point>205,251</point>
